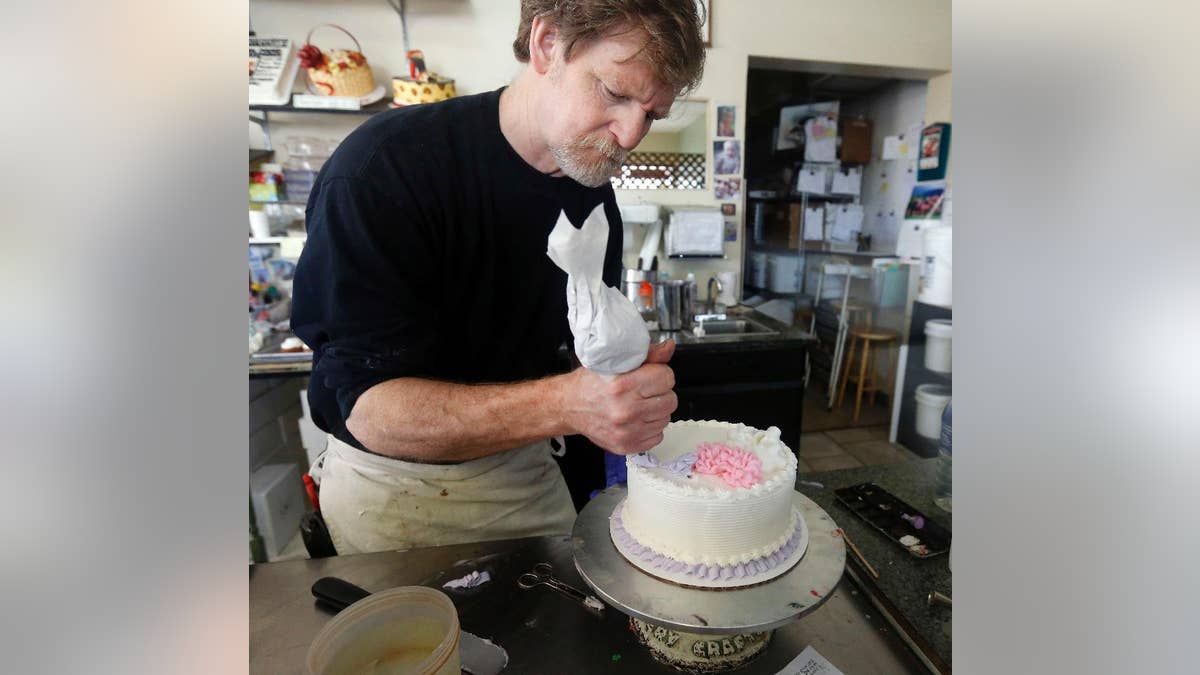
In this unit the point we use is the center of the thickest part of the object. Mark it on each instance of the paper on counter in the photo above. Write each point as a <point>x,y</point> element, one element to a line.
<point>810,662</point>
<point>472,580</point>
<point>610,336</point>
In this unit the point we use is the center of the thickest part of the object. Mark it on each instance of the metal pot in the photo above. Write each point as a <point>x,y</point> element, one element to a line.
<point>675,300</point>
<point>633,282</point>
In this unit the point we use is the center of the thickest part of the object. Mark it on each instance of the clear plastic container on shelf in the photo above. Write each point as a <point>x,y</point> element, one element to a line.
<point>306,156</point>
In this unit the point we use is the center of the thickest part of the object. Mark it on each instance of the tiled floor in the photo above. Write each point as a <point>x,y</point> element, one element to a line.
<point>849,448</point>
<point>832,439</point>
<point>817,418</point>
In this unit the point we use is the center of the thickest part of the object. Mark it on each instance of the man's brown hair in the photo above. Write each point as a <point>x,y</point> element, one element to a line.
<point>674,50</point>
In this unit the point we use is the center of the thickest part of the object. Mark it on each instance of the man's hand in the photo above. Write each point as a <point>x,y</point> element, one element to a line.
<point>627,413</point>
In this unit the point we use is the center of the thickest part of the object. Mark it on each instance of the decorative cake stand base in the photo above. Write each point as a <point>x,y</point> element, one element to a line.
<point>707,611</point>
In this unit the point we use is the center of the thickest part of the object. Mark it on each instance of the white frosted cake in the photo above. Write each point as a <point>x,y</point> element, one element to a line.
<point>712,505</point>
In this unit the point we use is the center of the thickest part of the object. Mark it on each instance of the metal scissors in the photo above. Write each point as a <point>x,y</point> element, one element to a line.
<point>543,574</point>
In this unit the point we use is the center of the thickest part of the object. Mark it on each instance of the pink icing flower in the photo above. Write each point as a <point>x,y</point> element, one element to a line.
<point>735,466</point>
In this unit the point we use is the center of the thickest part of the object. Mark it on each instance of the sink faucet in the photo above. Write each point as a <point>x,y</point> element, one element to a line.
<point>712,298</point>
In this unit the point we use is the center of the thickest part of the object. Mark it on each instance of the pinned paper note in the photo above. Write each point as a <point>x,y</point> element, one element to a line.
<point>698,231</point>
<point>810,662</point>
<point>902,146</point>
<point>847,181</point>
<point>847,222</point>
<point>812,179</point>
<point>814,223</point>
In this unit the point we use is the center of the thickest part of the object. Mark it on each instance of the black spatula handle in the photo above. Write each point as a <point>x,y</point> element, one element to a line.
<point>337,593</point>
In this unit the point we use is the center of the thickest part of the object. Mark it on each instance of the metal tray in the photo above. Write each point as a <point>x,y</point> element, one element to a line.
<point>883,511</point>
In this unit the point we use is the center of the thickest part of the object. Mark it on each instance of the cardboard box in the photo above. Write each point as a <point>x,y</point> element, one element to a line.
<point>795,225</point>
<point>856,141</point>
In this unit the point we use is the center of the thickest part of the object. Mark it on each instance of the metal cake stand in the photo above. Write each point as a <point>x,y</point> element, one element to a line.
<point>708,611</point>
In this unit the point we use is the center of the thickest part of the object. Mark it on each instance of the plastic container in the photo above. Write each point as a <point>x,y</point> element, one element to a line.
<point>938,345</point>
<point>932,399</point>
<point>277,494</point>
<point>306,156</point>
<point>943,495</point>
<point>412,629</point>
<point>937,269</point>
<point>783,273</point>
<point>889,282</point>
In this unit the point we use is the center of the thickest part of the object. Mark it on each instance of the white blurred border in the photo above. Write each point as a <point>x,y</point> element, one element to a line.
<point>1076,337</point>
<point>124,495</point>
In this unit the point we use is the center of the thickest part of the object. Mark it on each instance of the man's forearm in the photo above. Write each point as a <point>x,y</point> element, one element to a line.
<point>427,420</point>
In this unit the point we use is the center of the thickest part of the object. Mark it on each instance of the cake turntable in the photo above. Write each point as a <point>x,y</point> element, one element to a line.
<point>706,629</point>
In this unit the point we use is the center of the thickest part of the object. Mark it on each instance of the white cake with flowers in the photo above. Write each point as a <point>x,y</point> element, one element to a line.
<point>713,505</point>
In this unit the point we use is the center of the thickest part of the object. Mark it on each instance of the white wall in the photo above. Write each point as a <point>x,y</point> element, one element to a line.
<point>471,41</point>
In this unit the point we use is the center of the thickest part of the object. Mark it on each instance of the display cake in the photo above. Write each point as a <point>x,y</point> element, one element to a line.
<point>712,505</point>
<point>420,86</point>
<point>337,72</point>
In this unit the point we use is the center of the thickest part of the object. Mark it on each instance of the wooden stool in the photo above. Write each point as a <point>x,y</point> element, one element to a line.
<point>864,339</point>
<point>863,315</point>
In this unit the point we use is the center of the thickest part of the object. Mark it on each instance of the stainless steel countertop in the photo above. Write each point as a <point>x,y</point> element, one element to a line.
<point>542,631</point>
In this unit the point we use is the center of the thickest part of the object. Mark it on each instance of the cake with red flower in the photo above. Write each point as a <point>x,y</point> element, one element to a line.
<point>337,72</point>
<point>420,86</point>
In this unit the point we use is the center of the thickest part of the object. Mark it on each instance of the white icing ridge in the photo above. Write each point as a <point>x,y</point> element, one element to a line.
<point>722,559</point>
<point>701,519</point>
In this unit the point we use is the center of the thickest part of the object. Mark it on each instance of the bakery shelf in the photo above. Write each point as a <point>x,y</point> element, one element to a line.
<point>376,107</point>
<point>281,202</point>
<point>276,239</point>
<point>259,155</point>
<point>796,199</point>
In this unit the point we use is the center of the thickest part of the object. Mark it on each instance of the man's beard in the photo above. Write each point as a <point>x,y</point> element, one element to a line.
<point>590,161</point>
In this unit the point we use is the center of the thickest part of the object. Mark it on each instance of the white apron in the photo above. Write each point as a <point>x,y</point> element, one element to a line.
<point>375,503</point>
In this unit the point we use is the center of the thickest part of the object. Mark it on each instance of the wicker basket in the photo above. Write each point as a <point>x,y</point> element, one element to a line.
<point>341,72</point>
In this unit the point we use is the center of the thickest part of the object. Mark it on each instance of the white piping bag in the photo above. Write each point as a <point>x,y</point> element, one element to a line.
<point>610,335</point>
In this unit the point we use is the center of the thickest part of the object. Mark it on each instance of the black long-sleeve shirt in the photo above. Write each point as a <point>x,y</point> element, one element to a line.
<point>426,257</point>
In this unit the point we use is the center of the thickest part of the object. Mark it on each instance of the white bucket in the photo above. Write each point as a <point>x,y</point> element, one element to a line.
<point>938,343</point>
<point>938,266</point>
<point>931,401</point>
<point>412,629</point>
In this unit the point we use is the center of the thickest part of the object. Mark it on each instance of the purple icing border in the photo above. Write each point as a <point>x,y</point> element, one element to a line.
<point>747,570</point>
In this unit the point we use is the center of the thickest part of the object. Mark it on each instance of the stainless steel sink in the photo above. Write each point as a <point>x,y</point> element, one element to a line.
<point>731,328</point>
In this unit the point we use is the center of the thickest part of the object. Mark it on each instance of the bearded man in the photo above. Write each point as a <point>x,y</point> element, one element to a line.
<point>433,312</point>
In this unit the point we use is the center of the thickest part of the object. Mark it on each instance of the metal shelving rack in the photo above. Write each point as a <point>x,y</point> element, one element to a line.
<point>264,122</point>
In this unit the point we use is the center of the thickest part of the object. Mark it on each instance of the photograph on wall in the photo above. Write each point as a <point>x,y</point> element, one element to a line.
<point>926,202</point>
<point>728,209</point>
<point>727,156</point>
<point>731,230</point>
<point>727,188</point>
<point>793,118</point>
<point>726,120</point>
